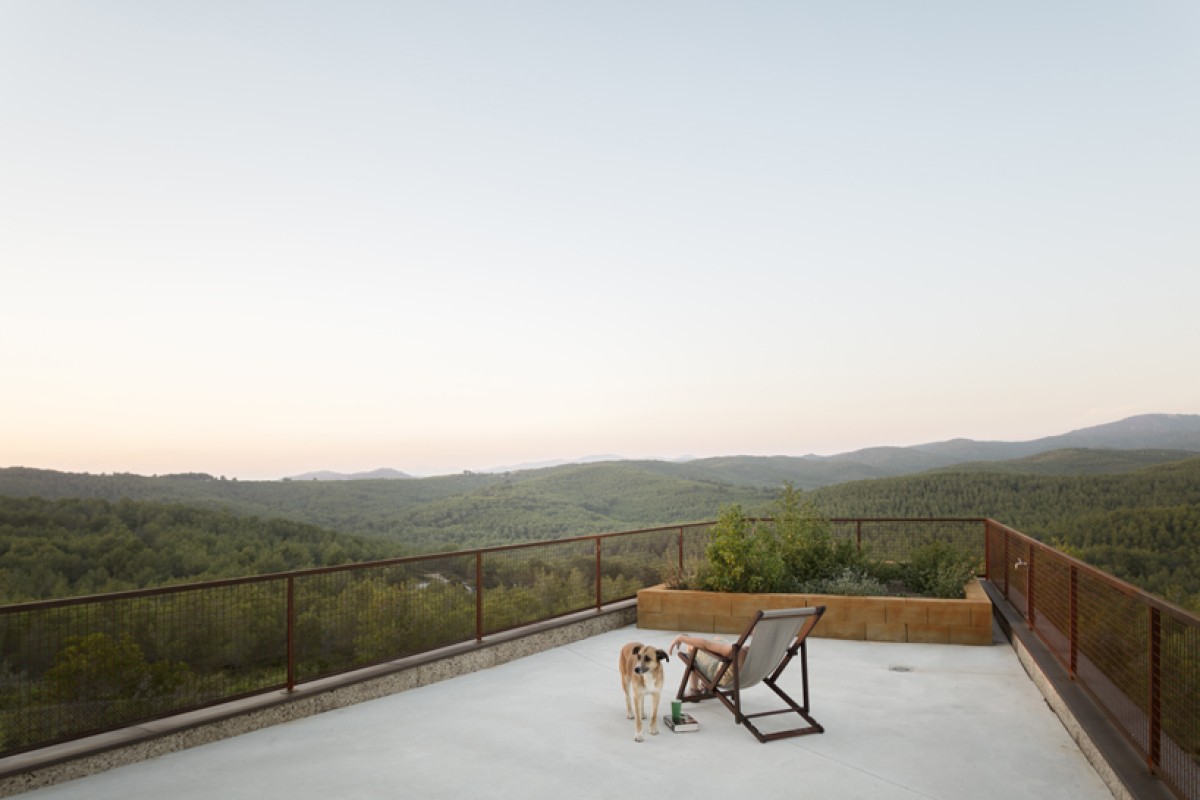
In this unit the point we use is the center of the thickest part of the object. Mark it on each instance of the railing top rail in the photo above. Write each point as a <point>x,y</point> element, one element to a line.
<point>37,605</point>
<point>1124,587</point>
<point>585,538</point>
<point>979,520</point>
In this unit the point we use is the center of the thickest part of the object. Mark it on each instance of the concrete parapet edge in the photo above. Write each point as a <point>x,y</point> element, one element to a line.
<point>1109,753</point>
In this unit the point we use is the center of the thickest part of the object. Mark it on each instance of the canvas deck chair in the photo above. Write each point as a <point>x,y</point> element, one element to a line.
<point>778,635</point>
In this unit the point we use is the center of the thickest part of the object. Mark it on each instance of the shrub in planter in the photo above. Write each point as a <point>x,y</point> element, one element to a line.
<point>939,569</point>
<point>742,556</point>
<point>810,552</point>
<point>786,554</point>
<point>850,581</point>
<point>795,552</point>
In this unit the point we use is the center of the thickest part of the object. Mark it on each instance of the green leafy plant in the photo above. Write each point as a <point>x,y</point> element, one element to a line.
<point>939,569</point>
<point>743,556</point>
<point>850,581</point>
<point>796,551</point>
<point>809,550</point>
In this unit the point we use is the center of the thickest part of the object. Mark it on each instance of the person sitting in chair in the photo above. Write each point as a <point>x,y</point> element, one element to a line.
<point>702,650</point>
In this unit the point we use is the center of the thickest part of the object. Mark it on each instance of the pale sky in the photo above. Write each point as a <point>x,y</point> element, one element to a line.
<point>261,238</point>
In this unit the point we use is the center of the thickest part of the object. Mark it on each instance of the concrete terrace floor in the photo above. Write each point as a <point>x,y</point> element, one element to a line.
<point>957,722</point>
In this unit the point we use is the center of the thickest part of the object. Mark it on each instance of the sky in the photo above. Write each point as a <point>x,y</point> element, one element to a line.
<point>256,239</point>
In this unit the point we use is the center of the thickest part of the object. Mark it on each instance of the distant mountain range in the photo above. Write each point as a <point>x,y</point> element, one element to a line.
<point>1144,432</point>
<point>384,474</point>
<point>1127,494</point>
<point>471,509</point>
<point>557,462</point>
<point>1168,432</point>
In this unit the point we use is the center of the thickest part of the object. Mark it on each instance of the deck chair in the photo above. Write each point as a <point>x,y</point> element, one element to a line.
<point>778,636</point>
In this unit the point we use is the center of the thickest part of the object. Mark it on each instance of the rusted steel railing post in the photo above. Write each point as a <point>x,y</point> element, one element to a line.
<point>858,534</point>
<point>479,595</point>
<point>681,550</point>
<point>987,549</point>
<point>599,578</point>
<point>291,633</point>
<point>1006,597</point>
<point>1154,750</point>
<point>1073,623</point>
<point>1029,591</point>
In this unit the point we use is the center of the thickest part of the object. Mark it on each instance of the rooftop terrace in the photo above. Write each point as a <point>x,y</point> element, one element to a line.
<point>902,721</point>
<point>494,672</point>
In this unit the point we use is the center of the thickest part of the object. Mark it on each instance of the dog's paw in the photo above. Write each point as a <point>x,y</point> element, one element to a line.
<point>638,738</point>
<point>629,715</point>
<point>654,731</point>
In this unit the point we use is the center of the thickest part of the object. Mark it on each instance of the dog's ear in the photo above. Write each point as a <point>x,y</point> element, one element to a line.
<point>662,656</point>
<point>637,649</point>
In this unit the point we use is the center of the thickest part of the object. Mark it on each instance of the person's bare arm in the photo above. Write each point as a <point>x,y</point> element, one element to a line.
<point>711,645</point>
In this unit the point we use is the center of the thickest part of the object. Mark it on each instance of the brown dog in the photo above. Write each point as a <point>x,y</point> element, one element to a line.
<point>641,671</point>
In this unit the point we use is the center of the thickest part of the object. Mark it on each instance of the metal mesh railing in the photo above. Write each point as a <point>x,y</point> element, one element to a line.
<point>634,561</point>
<point>523,585</point>
<point>345,618</point>
<point>70,668</point>
<point>1135,654</point>
<point>896,540</point>
<point>1177,665</point>
<point>74,667</point>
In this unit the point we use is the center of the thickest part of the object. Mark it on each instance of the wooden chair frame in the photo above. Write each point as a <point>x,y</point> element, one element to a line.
<point>803,621</point>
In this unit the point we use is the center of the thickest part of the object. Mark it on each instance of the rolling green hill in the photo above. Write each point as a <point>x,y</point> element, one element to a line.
<point>430,514</point>
<point>59,548</point>
<point>471,509</point>
<point>1141,525</point>
<point>1076,461</point>
<point>1037,504</point>
<point>1135,513</point>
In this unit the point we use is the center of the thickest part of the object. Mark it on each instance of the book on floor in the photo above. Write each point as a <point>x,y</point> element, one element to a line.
<point>686,723</point>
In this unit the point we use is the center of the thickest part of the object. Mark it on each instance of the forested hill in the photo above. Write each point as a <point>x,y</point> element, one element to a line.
<point>430,514</point>
<point>65,534</point>
<point>1139,522</point>
<point>62,548</point>
<point>1142,526</point>
<point>472,509</point>
<point>1037,504</point>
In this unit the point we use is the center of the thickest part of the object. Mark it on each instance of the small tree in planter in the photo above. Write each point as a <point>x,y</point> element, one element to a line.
<point>813,556</point>
<point>742,556</point>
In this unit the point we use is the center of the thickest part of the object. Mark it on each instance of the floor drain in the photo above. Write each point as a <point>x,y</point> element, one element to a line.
<point>901,669</point>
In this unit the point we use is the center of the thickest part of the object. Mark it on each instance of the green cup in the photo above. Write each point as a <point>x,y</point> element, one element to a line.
<point>676,710</point>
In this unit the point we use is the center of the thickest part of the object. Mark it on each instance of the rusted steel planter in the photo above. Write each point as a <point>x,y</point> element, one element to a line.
<point>876,619</point>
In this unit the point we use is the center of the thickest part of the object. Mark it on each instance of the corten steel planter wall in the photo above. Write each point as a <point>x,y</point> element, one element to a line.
<point>876,619</point>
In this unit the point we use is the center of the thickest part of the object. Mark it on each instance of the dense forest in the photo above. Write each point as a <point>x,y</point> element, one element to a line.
<point>61,548</point>
<point>1142,526</point>
<point>1135,514</point>
<point>432,514</point>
